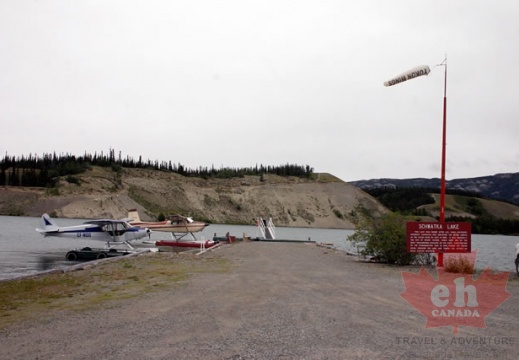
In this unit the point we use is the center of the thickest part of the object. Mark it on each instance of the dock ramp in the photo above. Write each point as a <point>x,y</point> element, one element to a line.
<point>266,228</point>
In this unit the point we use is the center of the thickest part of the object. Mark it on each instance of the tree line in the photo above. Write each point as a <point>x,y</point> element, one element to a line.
<point>44,171</point>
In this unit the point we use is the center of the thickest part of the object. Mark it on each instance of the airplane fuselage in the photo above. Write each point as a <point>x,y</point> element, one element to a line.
<point>96,233</point>
<point>109,231</point>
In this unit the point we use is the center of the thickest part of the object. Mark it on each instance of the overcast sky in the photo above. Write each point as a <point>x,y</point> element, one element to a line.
<point>239,83</point>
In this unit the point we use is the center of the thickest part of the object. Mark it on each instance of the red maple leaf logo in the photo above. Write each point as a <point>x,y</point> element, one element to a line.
<point>455,299</point>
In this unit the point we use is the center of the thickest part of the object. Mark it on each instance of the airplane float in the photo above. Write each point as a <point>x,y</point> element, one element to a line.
<point>113,232</point>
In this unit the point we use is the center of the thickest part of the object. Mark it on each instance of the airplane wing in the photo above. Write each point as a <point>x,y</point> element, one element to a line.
<point>102,222</point>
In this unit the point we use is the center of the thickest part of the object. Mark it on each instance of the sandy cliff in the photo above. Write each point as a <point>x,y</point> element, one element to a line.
<point>103,193</point>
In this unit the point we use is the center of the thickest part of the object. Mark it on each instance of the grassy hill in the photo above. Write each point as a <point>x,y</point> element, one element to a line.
<point>467,206</point>
<point>487,216</point>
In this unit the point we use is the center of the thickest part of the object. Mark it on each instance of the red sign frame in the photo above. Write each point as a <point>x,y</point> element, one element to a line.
<point>447,237</point>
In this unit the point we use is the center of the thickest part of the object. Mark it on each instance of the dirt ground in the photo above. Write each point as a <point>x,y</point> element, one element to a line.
<point>278,301</point>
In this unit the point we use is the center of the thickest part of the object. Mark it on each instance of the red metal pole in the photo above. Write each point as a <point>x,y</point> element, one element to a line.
<point>444,146</point>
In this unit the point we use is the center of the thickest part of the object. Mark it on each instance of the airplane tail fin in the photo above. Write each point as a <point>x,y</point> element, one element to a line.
<point>133,215</point>
<point>47,224</point>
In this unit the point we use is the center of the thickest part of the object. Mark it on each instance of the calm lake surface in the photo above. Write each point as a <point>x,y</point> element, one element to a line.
<point>23,251</point>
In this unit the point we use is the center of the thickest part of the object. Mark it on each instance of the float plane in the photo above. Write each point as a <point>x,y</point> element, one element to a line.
<point>113,232</point>
<point>180,227</point>
<point>174,224</point>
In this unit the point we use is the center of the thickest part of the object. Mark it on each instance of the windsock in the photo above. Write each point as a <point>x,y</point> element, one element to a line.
<point>409,74</point>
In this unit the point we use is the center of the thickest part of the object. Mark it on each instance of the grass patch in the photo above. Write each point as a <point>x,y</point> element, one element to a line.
<point>112,281</point>
<point>459,265</point>
<point>325,178</point>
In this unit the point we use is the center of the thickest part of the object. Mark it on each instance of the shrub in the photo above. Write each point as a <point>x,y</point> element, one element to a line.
<point>458,265</point>
<point>338,214</point>
<point>383,238</point>
<point>117,168</point>
<point>52,191</point>
<point>72,180</point>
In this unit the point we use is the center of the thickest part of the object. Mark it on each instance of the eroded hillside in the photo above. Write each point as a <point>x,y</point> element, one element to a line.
<point>102,193</point>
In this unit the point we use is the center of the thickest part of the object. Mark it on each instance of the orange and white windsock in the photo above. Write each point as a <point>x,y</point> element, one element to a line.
<point>409,74</point>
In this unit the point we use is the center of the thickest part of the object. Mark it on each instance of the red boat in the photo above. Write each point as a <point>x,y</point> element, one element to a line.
<point>187,243</point>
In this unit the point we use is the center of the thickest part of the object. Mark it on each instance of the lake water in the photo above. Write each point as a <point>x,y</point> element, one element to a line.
<point>23,251</point>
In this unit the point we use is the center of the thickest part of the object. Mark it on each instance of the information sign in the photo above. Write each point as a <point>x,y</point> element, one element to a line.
<point>429,237</point>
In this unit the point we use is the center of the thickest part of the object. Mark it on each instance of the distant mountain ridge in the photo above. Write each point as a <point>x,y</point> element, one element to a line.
<point>499,187</point>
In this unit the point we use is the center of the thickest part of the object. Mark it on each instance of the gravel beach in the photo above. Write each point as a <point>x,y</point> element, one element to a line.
<point>277,301</point>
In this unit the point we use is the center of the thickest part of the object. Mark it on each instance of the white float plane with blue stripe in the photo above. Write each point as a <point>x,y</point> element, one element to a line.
<point>113,232</point>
